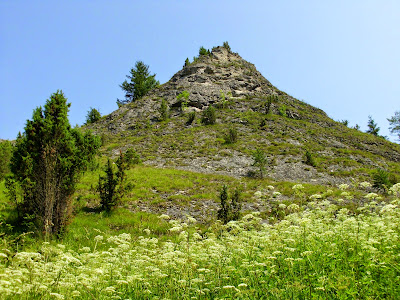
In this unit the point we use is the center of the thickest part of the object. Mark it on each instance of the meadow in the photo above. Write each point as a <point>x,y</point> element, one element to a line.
<point>316,249</point>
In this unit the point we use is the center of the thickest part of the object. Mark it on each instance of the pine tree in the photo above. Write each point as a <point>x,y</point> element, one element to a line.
<point>395,124</point>
<point>372,127</point>
<point>139,84</point>
<point>260,161</point>
<point>112,186</point>
<point>48,159</point>
<point>92,116</point>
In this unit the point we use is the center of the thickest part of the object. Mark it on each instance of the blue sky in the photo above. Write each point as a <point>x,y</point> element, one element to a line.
<point>340,56</point>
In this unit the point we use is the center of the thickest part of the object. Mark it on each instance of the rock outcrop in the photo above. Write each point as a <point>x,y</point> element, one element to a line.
<point>227,81</point>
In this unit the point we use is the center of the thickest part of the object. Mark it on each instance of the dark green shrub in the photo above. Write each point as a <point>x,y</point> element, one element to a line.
<point>269,101</point>
<point>380,180</point>
<point>209,116</point>
<point>229,210</point>
<point>231,136</point>
<point>282,111</point>
<point>309,159</point>
<point>187,62</point>
<point>226,46</point>
<point>203,51</point>
<point>190,117</point>
<point>112,186</point>
<point>260,161</point>
<point>132,157</point>
<point>92,116</point>
<point>164,110</point>
<point>48,159</point>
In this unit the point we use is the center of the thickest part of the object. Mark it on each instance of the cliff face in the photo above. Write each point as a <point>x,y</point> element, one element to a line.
<point>239,92</point>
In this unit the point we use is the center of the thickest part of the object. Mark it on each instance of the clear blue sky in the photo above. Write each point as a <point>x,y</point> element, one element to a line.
<point>340,56</point>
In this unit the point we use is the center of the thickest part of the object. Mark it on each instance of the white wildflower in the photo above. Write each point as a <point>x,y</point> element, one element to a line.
<point>109,289</point>
<point>76,294</point>
<point>372,196</point>
<point>164,217</point>
<point>365,184</point>
<point>395,190</point>
<point>343,186</point>
<point>258,194</point>
<point>98,238</point>
<point>298,187</point>
<point>57,296</point>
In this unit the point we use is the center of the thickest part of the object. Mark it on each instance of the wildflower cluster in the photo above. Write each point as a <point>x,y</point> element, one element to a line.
<point>324,252</point>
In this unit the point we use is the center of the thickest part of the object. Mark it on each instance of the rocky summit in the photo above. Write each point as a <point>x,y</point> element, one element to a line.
<point>287,130</point>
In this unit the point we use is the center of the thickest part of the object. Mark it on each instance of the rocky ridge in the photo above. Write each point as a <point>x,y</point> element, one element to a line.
<point>284,136</point>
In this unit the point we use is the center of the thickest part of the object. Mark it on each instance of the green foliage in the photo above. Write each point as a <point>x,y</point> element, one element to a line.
<point>226,46</point>
<point>224,99</point>
<point>372,127</point>
<point>203,51</point>
<point>381,180</point>
<point>229,210</point>
<point>345,122</point>
<point>309,159</point>
<point>139,84</point>
<point>190,117</point>
<point>282,111</point>
<point>184,99</point>
<point>395,124</point>
<point>13,192</point>
<point>112,186</point>
<point>231,136</point>
<point>260,161</point>
<point>187,62</point>
<point>5,157</point>
<point>48,160</point>
<point>268,102</point>
<point>164,110</point>
<point>209,116</point>
<point>92,116</point>
<point>132,157</point>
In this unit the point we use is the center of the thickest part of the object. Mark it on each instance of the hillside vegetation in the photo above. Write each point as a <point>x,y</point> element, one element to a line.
<point>317,202</point>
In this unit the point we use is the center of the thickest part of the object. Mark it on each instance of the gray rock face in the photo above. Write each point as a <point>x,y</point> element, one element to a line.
<point>224,74</point>
<point>206,79</point>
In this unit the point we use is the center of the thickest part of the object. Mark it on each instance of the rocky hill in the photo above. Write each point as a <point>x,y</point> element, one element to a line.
<point>285,130</point>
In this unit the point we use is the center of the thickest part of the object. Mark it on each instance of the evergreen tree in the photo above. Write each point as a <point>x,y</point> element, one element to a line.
<point>48,159</point>
<point>229,210</point>
<point>260,161</point>
<point>372,127</point>
<point>395,124</point>
<point>92,116</point>
<point>111,187</point>
<point>139,84</point>
<point>187,62</point>
<point>226,46</point>
<point>203,51</point>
